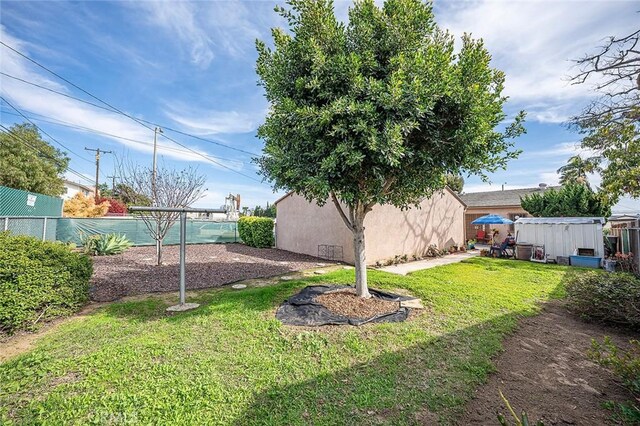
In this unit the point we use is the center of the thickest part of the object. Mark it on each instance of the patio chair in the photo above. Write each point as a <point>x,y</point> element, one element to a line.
<point>481,236</point>
<point>506,249</point>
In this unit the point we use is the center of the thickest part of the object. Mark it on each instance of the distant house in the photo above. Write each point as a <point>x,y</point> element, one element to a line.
<point>304,227</point>
<point>72,188</point>
<point>505,203</point>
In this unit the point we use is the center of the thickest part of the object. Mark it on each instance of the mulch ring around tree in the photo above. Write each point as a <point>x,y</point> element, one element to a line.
<point>339,305</point>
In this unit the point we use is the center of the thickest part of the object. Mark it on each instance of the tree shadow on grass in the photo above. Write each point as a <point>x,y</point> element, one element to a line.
<point>426,383</point>
<point>221,300</point>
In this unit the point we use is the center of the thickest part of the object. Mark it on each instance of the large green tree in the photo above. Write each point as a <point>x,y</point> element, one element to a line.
<point>572,200</point>
<point>611,123</point>
<point>29,163</point>
<point>376,111</point>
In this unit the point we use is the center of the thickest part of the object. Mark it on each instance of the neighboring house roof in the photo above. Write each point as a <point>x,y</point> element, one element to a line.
<point>624,217</point>
<point>508,197</point>
<point>446,187</point>
<point>78,185</point>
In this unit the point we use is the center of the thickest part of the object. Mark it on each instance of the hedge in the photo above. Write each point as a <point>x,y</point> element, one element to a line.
<point>610,297</point>
<point>256,231</point>
<point>39,281</point>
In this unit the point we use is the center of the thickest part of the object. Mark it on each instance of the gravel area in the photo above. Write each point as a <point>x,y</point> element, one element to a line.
<point>208,265</point>
<point>345,302</point>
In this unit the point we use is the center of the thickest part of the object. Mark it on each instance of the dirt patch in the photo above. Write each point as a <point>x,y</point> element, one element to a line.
<point>544,370</point>
<point>24,341</point>
<point>208,265</point>
<point>347,303</point>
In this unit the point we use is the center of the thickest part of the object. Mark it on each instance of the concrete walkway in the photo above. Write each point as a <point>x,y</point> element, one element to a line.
<point>418,265</point>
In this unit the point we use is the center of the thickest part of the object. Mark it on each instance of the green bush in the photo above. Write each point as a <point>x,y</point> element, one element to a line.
<point>244,230</point>
<point>39,281</point>
<point>256,231</point>
<point>611,297</point>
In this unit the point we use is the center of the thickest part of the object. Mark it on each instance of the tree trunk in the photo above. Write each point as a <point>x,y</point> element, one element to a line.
<point>360,260</point>
<point>159,251</point>
<point>355,223</point>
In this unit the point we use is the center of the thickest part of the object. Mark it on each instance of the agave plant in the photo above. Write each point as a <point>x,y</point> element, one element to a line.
<point>105,244</point>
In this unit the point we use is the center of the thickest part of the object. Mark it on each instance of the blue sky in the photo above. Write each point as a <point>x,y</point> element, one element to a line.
<point>190,66</point>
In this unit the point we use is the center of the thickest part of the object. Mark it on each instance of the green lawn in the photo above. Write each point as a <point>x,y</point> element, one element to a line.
<point>231,362</point>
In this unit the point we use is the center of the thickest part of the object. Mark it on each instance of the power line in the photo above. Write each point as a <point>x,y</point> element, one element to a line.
<point>140,119</point>
<point>9,131</point>
<point>124,113</point>
<point>37,127</point>
<point>63,123</point>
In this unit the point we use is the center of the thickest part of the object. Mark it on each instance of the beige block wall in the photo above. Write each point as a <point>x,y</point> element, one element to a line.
<point>389,231</point>
<point>301,226</point>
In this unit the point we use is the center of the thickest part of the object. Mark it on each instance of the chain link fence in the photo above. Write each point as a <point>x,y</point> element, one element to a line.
<point>43,228</point>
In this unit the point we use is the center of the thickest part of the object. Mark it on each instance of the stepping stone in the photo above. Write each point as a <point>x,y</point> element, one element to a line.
<point>213,257</point>
<point>319,272</point>
<point>321,264</point>
<point>285,278</point>
<point>238,286</point>
<point>148,258</point>
<point>183,307</point>
<point>347,267</point>
<point>236,259</point>
<point>413,303</point>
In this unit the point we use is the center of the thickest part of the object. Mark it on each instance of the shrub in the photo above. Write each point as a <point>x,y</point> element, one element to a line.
<point>256,231</point>
<point>104,244</point>
<point>39,281</point>
<point>625,365</point>
<point>244,230</point>
<point>82,206</point>
<point>611,297</point>
<point>115,206</point>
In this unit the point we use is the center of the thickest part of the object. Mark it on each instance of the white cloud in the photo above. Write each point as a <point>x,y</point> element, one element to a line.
<point>203,122</point>
<point>180,19</point>
<point>534,42</point>
<point>562,150</point>
<point>203,28</point>
<point>31,99</point>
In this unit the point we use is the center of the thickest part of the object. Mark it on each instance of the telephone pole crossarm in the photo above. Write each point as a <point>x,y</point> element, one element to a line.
<point>98,151</point>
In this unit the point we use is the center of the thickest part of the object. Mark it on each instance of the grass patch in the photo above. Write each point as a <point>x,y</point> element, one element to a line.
<point>231,362</point>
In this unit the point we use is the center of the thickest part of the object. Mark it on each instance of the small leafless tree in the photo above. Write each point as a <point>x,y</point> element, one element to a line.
<point>173,188</point>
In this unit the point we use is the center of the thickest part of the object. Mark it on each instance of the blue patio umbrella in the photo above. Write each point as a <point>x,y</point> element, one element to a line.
<point>492,219</point>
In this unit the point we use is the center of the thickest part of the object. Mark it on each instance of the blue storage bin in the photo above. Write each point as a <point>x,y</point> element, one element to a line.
<point>585,261</point>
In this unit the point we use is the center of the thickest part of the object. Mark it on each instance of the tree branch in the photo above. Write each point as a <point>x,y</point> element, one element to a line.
<point>339,207</point>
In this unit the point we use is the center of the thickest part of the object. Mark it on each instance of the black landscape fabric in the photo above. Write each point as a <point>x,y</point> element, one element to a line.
<point>302,309</point>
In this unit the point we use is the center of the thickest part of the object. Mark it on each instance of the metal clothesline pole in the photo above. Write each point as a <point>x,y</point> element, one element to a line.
<point>182,306</point>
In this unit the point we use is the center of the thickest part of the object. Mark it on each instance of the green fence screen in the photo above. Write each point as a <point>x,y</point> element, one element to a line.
<point>14,202</point>
<point>198,231</point>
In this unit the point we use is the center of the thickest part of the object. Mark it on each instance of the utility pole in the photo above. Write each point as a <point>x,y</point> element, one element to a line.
<point>113,183</point>
<point>153,174</point>
<point>98,151</point>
